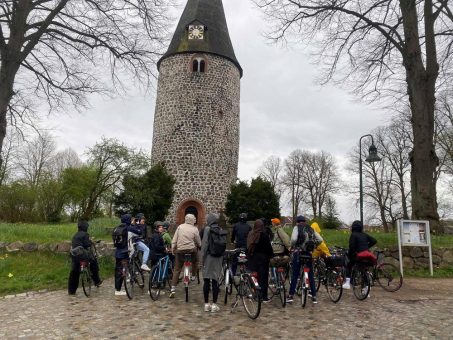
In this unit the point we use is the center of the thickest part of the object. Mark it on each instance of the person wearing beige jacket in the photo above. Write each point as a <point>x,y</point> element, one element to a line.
<point>185,241</point>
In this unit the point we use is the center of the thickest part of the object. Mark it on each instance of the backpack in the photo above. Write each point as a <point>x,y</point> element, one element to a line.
<point>119,236</point>
<point>306,238</point>
<point>217,241</point>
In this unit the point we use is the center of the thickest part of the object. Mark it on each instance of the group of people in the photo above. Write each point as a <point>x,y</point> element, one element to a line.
<point>263,245</point>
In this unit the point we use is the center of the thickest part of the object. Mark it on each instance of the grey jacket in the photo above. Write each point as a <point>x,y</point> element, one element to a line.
<point>212,266</point>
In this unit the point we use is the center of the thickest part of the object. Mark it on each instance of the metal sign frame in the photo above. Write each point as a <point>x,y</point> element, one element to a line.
<point>414,233</point>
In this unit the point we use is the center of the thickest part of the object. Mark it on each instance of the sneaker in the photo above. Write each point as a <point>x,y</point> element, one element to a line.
<point>346,285</point>
<point>172,294</point>
<point>99,283</point>
<point>192,278</point>
<point>214,308</point>
<point>314,300</point>
<point>119,292</point>
<point>145,268</point>
<point>289,299</point>
<point>207,307</point>
<point>266,300</point>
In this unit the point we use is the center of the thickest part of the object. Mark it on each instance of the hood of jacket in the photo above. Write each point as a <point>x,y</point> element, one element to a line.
<point>190,219</point>
<point>357,227</point>
<point>82,225</point>
<point>315,227</point>
<point>212,219</point>
<point>126,219</point>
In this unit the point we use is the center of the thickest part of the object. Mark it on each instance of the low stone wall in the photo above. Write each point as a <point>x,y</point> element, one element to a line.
<point>103,248</point>
<point>418,257</point>
<point>413,257</point>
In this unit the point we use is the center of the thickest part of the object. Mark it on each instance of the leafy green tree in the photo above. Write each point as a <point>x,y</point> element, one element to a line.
<point>257,199</point>
<point>150,193</point>
<point>18,202</point>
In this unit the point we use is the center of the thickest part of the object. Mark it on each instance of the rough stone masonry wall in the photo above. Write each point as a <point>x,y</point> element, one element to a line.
<point>196,128</point>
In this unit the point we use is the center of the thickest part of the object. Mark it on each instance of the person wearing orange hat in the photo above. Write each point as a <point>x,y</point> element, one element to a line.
<point>281,241</point>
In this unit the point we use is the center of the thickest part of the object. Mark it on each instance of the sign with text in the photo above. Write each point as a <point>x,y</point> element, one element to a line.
<point>414,233</point>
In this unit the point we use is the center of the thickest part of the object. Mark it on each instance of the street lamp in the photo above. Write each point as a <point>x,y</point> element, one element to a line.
<point>372,157</point>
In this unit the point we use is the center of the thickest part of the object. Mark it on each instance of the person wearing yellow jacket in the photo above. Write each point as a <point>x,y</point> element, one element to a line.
<point>322,249</point>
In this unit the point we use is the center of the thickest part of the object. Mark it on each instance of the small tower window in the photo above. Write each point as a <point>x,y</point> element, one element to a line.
<point>199,64</point>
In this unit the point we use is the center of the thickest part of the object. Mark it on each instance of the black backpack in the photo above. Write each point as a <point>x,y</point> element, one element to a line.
<point>306,238</point>
<point>119,236</point>
<point>217,241</point>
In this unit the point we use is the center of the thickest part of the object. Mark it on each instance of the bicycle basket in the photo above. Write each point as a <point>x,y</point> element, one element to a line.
<point>279,261</point>
<point>335,261</point>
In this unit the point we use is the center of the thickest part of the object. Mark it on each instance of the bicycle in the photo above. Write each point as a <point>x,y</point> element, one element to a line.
<point>304,280</point>
<point>159,277</point>
<point>86,277</point>
<point>334,276</point>
<point>247,288</point>
<point>187,271</point>
<point>134,274</point>
<point>227,274</point>
<point>387,275</point>
<point>277,278</point>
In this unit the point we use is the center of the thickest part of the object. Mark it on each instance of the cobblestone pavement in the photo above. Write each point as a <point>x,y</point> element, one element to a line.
<point>422,309</point>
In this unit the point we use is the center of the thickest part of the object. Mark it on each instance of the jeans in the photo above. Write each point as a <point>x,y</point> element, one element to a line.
<point>141,246</point>
<point>296,264</point>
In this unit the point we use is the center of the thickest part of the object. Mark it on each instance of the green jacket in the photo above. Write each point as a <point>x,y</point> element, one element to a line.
<point>167,239</point>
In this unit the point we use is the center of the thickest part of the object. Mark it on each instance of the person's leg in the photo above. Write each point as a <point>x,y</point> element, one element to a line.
<point>311,278</point>
<point>234,264</point>
<point>194,263</point>
<point>141,246</point>
<point>74,274</point>
<point>206,288</point>
<point>263,279</point>
<point>296,273</point>
<point>179,261</point>
<point>94,267</point>
<point>118,274</point>
<point>215,291</point>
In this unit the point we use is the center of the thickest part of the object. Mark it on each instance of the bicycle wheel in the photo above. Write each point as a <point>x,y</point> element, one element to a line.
<point>360,284</point>
<point>128,283</point>
<point>319,273</point>
<point>389,277</point>
<point>228,285</point>
<point>304,294</point>
<point>186,288</point>
<point>154,285</point>
<point>281,289</point>
<point>334,285</point>
<point>251,297</point>
<point>272,288</point>
<point>139,278</point>
<point>85,277</point>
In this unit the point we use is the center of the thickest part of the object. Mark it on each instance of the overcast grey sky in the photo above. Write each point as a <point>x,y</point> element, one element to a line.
<point>282,107</point>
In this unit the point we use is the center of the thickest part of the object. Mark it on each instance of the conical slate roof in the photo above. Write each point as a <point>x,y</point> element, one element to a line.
<point>216,40</point>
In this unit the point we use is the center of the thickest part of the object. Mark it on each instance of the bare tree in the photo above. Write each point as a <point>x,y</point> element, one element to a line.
<point>382,47</point>
<point>67,158</point>
<point>57,52</point>
<point>36,158</point>
<point>271,170</point>
<point>319,179</point>
<point>9,153</point>
<point>291,180</point>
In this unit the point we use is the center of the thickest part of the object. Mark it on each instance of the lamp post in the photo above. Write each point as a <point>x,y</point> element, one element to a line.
<point>372,157</point>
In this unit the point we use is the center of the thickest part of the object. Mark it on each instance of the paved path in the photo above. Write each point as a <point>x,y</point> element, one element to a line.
<point>423,309</point>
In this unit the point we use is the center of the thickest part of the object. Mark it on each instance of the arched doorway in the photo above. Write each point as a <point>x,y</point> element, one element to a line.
<point>194,207</point>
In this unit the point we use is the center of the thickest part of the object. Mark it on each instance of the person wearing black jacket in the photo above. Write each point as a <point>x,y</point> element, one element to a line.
<point>82,239</point>
<point>259,252</point>
<point>358,242</point>
<point>239,237</point>
<point>157,245</point>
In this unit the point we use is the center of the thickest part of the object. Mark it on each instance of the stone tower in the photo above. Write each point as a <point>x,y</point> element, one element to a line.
<point>196,121</point>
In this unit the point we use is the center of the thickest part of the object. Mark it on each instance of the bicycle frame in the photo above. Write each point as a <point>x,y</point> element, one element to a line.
<point>163,268</point>
<point>187,271</point>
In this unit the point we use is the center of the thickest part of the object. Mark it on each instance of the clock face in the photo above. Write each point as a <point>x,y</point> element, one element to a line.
<point>196,32</point>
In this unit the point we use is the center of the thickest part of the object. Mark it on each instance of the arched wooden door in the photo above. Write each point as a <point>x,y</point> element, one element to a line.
<point>194,207</point>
